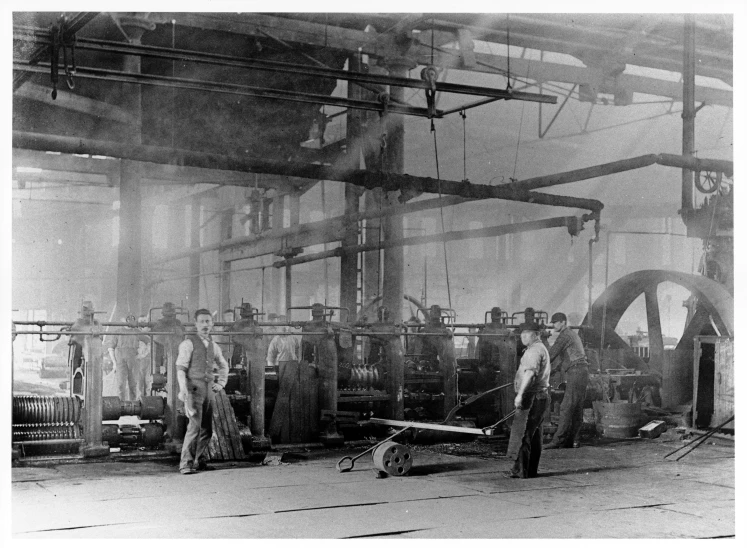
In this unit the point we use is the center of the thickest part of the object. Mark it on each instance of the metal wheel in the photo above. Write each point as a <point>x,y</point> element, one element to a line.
<point>708,182</point>
<point>712,311</point>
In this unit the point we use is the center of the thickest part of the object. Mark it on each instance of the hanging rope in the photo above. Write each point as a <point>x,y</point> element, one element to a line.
<point>441,209</point>
<point>518,138</point>
<point>508,53</point>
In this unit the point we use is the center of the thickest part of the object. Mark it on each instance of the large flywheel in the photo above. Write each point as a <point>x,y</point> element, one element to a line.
<point>711,313</point>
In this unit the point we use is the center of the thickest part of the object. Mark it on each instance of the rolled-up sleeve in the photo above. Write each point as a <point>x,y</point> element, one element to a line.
<point>222,365</point>
<point>184,355</point>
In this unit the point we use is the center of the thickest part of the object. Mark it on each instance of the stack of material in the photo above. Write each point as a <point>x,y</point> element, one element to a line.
<point>226,442</point>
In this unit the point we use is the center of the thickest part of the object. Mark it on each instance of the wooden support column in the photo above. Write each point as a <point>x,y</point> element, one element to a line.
<point>92,413</point>
<point>394,161</point>
<point>226,233</point>
<point>294,206</point>
<point>349,263</point>
<point>129,281</point>
<point>194,260</point>
<point>148,212</point>
<point>688,110</point>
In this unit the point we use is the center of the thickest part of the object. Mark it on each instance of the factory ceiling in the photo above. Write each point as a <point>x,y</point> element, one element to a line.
<point>251,85</point>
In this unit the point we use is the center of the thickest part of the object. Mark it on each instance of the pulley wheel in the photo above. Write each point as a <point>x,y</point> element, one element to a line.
<point>392,458</point>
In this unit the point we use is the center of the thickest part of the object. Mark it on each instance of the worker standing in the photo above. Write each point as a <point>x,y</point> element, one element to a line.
<point>123,350</point>
<point>283,355</point>
<point>569,357</point>
<point>168,322</point>
<point>198,355</point>
<point>85,322</point>
<point>531,384</point>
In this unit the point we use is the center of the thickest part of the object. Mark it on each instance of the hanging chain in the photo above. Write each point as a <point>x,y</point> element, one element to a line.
<point>441,209</point>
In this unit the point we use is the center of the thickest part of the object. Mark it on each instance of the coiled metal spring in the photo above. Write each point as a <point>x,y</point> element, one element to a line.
<point>46,410</point>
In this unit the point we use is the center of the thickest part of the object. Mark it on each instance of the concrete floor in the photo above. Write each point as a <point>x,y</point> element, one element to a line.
<point>621,489</point>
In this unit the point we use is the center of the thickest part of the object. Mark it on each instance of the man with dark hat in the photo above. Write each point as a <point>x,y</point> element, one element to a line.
<point>167,322</point>
<point>531,385</point>
<point>568,356</point>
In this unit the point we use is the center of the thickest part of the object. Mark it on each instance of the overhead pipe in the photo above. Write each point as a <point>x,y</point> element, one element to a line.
<point>367,179</point>
<point>671,160</point>
<point>230,88</point>
<point>319,226</point>
<point>553,222</point>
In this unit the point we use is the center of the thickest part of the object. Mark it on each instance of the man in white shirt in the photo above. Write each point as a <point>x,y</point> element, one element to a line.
<point>198,354</point>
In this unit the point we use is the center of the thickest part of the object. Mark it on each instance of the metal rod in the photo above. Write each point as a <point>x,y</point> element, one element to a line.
<point>702,436</point>
<point>226,87</point>
<point>277,66</point>
<point>421,240</point>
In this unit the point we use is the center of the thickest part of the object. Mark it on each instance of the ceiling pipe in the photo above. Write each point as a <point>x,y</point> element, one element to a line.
<point>572,222</point>
<point>367,179</point>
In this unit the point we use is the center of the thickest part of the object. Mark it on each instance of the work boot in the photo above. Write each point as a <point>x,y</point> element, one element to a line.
<point>551,445</point>
<point>203,466</point>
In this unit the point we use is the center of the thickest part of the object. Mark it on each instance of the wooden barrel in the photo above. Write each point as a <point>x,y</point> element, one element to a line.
<point>618,419</point>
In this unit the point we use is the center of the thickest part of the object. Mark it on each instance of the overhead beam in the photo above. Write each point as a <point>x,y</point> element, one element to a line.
<point>384,45</point>
<point>543,71</point>
<point>75,102</point>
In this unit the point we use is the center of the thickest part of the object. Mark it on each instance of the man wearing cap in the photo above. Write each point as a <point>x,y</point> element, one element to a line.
<point>198,355</point>
<point>531,385</point>
<point>568,356</point>
<point>168,322</point>
<point>123,350</point>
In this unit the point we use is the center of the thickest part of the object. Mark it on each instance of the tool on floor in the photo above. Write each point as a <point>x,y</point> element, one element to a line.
<point>352,460</point>
<point>700,439</point>
<point>470,400</point>
<point>490,430</point>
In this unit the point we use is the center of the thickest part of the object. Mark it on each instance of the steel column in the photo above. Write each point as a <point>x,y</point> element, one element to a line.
<point>394,162</point>
<point>92,354</point>
<point>688,110</point>
<point>129,256</point>
<point>194,260</point>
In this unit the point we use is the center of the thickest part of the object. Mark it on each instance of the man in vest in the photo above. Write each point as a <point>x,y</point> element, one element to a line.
<point>198,354</point>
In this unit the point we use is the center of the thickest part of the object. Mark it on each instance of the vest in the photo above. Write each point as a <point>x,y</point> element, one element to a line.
<point>202,361</point>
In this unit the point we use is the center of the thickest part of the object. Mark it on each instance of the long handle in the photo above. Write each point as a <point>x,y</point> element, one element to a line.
<point>489,429</point>
<point>700,438</point>
<point>472,399</point>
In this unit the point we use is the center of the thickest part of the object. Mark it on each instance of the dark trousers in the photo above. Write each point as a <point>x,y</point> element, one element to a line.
<point>527,461</point>
<point>572,407</point>
<point>199,409</point>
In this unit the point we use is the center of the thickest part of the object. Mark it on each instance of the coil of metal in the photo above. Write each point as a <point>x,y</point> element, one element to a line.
<point>38,433</point>
<point>46,410</point>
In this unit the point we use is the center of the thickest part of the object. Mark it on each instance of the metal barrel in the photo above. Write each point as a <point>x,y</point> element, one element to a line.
<point>618,419</point>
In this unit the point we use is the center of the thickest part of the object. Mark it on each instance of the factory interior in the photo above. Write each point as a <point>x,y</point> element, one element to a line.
<point>372,210</point>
